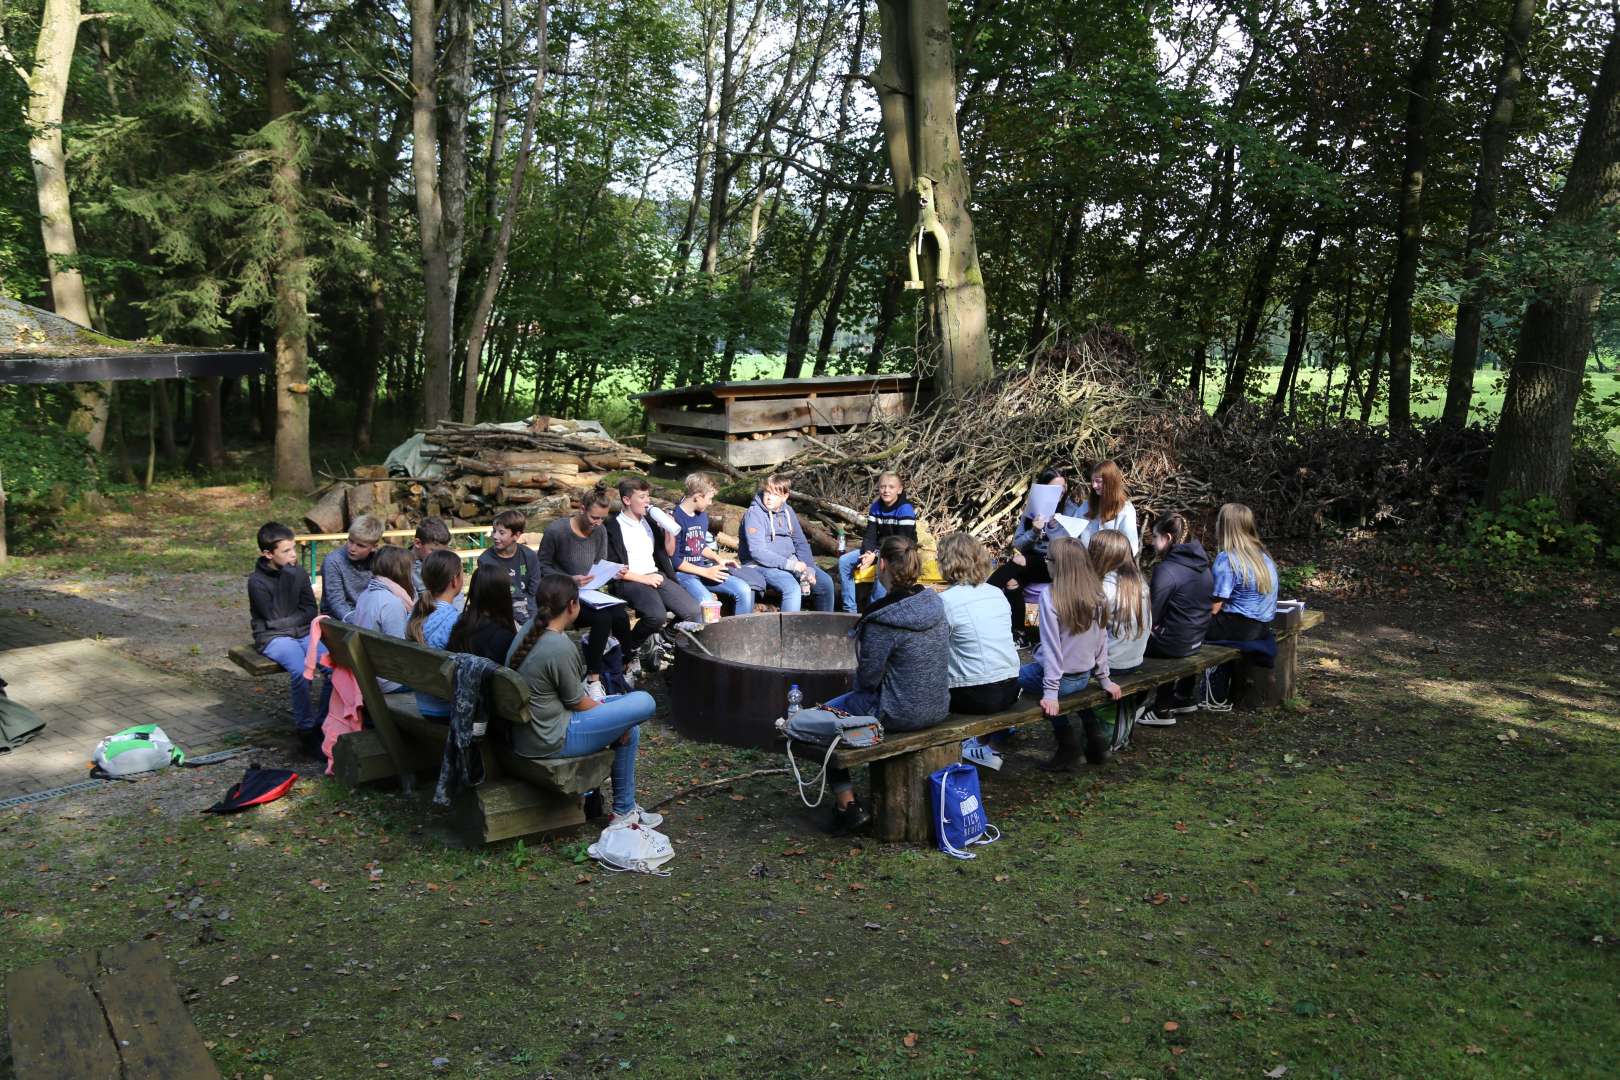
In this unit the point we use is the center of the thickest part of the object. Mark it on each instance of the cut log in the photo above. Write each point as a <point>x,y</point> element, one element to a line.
<point>518,458</point>
<point>359,500</point>
<point>822,542</point>
<point>326,516</point>
<point>901,808</point>
<point>372,472</point>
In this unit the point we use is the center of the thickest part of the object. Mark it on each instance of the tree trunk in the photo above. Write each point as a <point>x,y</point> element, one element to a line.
<point>479,326</point>
<point>1533,438</point>
<point>293,473</point>
<point>835,302</point>
<point>385,152</point>
<point>1298,325</point>
<point>1482,215</point>
<point>916,86</point>
<point>47,94</point>
<point>207,451</point>
<point>455,100</point>
<point>888,308</point>
<point>1254,317</point>
<point>165,429</point>
<point>1409,223</point>
<point>439,291</point>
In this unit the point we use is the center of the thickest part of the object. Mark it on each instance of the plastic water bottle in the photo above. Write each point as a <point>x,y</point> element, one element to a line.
<point>795,700</point>
<point>840,539</point>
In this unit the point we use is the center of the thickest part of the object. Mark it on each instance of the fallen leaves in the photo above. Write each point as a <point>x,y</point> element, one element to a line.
<point>1171,1027</point>
<point>909,1040</point>
<point>1277,1073</point>
<point>1017,1003</point>
<point>227,980</point>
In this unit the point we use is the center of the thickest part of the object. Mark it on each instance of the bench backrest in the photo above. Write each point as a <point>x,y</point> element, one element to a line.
<point>432,671</point>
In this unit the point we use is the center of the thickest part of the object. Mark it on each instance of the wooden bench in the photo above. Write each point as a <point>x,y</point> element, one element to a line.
<point>252,661</point>
<point>112,1012</point>
<point>519,795</point>
<point>901,763</point>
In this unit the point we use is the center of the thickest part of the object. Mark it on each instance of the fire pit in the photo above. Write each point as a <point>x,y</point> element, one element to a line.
<point>735,695</point>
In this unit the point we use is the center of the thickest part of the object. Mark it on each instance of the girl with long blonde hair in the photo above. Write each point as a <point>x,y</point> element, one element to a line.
<point>1245,595</point>
<point>1074,644</point>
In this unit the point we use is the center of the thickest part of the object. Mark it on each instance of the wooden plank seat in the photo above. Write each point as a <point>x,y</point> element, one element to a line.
<point>252,661</point>
<point>901,763</point>
<point>110,1012</point>
<point>519,795</point>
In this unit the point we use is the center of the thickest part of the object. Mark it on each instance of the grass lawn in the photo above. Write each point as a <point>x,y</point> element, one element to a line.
<point>1412,872</point>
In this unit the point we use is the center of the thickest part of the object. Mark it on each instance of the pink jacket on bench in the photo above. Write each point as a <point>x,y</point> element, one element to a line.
<point>347,711</point>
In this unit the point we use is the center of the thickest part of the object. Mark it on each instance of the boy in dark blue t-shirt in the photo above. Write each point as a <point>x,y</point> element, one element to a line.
<point>699,567</point>
<point>891,514</point>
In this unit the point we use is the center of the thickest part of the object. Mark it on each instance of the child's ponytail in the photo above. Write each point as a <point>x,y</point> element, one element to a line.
<point>439,571</point>
<point>556,592</point>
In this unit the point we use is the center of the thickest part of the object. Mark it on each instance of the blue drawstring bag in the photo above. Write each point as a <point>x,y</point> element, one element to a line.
<point>959,818</point>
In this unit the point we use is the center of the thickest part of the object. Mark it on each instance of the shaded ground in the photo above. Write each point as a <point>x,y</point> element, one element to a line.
<point>1411,873</point>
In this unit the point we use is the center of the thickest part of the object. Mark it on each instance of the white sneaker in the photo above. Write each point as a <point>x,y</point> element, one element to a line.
<point>637,816</point>
<point>689,627</point>
<point>977,752</point>
<point>1153,719</point>
<point>595,690</point>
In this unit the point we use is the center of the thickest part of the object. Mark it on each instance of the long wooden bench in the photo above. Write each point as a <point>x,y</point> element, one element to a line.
<point>901,763</point>
<point>519,796</point>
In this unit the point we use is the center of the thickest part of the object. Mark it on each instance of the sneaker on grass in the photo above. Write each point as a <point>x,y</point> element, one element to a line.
<point>977,752</point>
<point>1156,719</point>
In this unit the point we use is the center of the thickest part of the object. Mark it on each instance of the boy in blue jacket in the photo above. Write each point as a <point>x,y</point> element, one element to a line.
<point>891,514</point>
<point>773,540</point>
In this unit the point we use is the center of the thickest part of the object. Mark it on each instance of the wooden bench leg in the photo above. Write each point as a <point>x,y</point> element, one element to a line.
<point>502,809</point>
<point>1267,688</point>
<point>900,807</point>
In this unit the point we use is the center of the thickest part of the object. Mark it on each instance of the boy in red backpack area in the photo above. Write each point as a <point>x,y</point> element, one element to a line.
<point>281,605</point>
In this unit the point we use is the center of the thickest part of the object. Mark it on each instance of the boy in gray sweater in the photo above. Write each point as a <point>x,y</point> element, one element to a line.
<point>346,571</point>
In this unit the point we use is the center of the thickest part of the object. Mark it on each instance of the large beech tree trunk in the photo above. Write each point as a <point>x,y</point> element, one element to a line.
<point>439,299</point>
<point>47,94</point>
<point>1409,223</point>
<point>916,88</point>
<point>1533,438</point>
<point>293,472</point>
<point>479,326</point>
<point>1482,214</point>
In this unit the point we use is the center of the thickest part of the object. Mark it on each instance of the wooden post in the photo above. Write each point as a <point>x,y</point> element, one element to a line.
<point>900,804</point>
<point>2,516</point>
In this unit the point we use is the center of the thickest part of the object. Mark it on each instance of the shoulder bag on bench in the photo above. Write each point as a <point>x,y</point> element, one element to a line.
<point>827,727</point>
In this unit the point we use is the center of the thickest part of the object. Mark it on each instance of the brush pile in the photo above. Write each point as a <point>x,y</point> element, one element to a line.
<point>467,474</point>
<point>968,460</point>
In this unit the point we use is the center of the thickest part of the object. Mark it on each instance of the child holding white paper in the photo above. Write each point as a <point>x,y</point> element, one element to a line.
<point>1036,531</point>
<point>571,547</point>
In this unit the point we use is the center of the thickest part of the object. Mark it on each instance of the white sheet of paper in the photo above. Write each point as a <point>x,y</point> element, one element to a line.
<point>1072,525</point>
<point>1044,500</point>
<point>602,573</point>
<point>597,598</point>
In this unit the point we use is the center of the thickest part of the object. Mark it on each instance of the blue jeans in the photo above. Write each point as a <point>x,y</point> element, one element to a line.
<point>290,653</point>
<point>734,587</point>
<point>1032,678</point>
<point>821,591</point>
<point>856,703</point>
<point>847,562</point>
<point>598,728</point>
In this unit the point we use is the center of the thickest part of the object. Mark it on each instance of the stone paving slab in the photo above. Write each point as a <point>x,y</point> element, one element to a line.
<point>86,690</point>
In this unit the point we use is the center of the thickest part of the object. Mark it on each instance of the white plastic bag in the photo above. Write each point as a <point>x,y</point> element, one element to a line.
<point>635,848</point>
<point>144,748</point>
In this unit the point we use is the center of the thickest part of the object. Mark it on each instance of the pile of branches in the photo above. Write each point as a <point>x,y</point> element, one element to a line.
<point>969,459</point>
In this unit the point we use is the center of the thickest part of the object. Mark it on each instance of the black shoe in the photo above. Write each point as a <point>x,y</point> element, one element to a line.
<point>851,819</point>
<point>1097,743</point>
<point>1067,756</point>
<point>309,743</point>
<point>595,805</point>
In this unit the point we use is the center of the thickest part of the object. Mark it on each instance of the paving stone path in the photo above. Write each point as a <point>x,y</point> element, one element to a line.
<point>86,690</point>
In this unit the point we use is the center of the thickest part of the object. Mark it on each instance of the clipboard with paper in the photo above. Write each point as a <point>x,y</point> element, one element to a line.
<point>1044,500</point>
<point>601,573</point>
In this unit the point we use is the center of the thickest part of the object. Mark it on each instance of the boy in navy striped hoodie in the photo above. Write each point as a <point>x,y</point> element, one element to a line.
<point>891,514</point>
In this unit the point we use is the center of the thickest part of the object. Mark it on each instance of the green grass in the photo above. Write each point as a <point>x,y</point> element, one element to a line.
<point>1428,400</point>
<point>1411,874</point>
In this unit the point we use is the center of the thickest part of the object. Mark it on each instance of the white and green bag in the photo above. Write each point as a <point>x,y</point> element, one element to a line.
<point>144,748</point>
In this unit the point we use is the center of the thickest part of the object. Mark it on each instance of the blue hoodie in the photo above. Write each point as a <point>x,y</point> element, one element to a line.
<point>773,539</point>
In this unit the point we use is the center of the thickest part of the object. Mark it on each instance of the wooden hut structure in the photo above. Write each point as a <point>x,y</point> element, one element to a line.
<point>766,421</point>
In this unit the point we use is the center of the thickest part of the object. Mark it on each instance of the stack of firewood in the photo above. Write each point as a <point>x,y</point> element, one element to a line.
<point>480,472</point>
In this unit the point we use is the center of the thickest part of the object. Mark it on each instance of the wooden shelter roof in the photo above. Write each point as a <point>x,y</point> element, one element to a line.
<point>39,347</point>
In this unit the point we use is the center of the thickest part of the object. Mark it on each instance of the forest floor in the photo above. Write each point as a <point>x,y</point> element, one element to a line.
<point>1413,870</point>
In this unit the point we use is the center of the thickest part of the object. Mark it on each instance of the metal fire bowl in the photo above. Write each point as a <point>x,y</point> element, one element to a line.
<point>735,696</point>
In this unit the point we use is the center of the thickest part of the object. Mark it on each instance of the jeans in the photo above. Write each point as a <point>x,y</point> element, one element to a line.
<point>289,653</point>
<point>856,703</point>
<point>821,589</point>
<point>598,728</point>
<point>1032,677</point>
<point>847,562</point>
<point>734,587</point>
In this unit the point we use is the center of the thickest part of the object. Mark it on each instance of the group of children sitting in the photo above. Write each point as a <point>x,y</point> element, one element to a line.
<point>921,654</point>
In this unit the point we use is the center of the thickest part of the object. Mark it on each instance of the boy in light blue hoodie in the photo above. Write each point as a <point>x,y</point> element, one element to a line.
<point>773,540</point>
